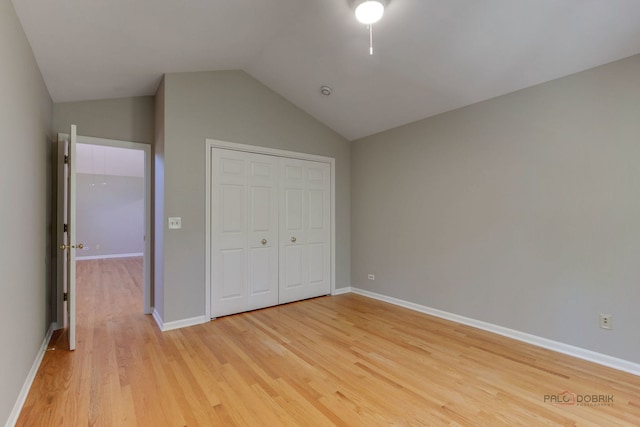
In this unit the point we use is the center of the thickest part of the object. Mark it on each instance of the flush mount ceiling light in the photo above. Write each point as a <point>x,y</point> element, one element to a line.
<point>369,12</point>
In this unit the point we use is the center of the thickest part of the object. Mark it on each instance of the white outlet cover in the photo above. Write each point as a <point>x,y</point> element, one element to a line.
<point>606,321</point>
<point>175,222</point>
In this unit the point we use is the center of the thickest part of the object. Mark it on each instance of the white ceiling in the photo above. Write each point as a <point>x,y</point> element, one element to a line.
<point>431,55</point>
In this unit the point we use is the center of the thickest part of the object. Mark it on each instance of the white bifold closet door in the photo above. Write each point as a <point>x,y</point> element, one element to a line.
<point>305,229</point>
<point>270,230</point>
<point>244,203</point>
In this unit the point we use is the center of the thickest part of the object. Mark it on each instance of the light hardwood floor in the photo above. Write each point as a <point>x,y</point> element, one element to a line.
<point>344,360</point>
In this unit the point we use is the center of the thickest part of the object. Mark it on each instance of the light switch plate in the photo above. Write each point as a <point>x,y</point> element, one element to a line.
<point>175,222</point>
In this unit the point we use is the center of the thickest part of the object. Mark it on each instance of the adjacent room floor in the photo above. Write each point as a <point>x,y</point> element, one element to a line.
<point>345,360</point>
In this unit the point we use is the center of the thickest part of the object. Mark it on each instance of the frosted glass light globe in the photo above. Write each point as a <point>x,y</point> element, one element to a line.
<point>369,11</point>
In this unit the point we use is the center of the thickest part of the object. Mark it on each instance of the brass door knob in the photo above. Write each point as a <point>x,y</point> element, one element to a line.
<point>293,240</point>
<point>80,246</point>
<point>63,247</point>
<point>264,241</point>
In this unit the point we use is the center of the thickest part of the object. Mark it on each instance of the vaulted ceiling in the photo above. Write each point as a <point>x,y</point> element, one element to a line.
<point>431,56</point>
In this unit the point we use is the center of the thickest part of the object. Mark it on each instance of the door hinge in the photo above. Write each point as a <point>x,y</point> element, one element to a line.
<point>65,228</point>
<point>66,160</point>
<point>65,297</point>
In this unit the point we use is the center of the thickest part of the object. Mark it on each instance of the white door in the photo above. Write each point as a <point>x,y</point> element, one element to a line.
<point>244,241</point>
<point>66,224</point>
<point>305,230</point>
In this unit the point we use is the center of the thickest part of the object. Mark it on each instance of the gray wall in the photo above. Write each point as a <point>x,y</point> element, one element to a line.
<point>229,106</point>
<point>124,119</point>
<point>522,211</point>
<point>25,123</point>
<point>109,214</point>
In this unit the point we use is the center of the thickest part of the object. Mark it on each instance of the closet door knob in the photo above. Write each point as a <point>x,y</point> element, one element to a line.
<point>264,241</point>
<point>293,240</point>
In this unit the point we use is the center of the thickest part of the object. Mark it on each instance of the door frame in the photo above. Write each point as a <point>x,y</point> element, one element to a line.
<point>146,264</point>
<point>213,143</point>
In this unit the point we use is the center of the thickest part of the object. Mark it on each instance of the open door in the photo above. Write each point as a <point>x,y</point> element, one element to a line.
<point>67,233</point>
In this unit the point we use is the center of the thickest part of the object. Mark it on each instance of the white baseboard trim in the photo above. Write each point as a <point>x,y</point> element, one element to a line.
<point>580,353</point>
<point>341,291</point>
<point>157,318</point>
<point>83,258</point>
<point>177,324</point>
<point>24,392</point>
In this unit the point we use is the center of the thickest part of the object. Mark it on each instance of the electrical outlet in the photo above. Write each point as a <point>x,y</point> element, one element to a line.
<point>371,277</point>
<point>606,321</point>
<point>175,223</point>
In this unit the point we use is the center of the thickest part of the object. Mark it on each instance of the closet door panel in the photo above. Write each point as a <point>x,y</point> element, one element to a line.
<point>294,210</point>
<point>305,230</point>
<point>292,231</point>
<point>228,264</point>
<point>259,268</point>
<point>263,231</point>
<point>293,259</point>
<point>317,264</point>
<point>232,274</point>
<point>244,240</point>
<point>319,228</point>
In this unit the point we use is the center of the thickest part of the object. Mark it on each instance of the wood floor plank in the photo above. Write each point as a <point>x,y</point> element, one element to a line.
<point>331,361</point>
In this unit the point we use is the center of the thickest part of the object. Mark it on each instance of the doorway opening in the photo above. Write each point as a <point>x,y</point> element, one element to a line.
<point>113,205</point>
<point>111,195</point>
